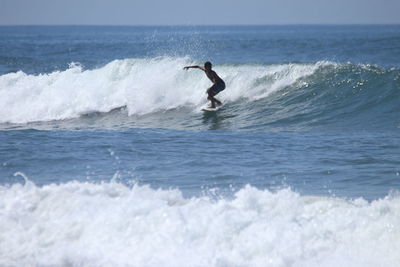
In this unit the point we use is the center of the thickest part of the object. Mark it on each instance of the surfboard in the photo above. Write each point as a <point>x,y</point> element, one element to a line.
<point>210,109</point>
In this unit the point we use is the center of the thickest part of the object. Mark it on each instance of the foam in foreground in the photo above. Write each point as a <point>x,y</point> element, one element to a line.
<point>110,224</point>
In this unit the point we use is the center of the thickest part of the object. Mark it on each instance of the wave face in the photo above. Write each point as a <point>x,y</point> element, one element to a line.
<point>257,95</point>
<point>110,224</point>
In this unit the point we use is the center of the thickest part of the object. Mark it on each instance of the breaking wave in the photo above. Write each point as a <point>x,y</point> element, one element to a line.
<point>257,95</point>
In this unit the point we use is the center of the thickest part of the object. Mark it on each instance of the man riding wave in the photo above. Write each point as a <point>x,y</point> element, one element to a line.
<point>218,83</point>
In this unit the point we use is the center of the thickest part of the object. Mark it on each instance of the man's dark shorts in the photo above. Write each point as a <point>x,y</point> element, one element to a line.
<point>216,88</point>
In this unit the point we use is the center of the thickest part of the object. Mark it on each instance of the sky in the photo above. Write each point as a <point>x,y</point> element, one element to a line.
<point>200,12</point>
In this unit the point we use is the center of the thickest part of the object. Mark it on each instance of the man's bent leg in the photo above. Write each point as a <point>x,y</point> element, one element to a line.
<point>212,99</point>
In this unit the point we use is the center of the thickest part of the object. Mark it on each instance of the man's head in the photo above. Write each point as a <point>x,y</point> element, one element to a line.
<point>207,65</point>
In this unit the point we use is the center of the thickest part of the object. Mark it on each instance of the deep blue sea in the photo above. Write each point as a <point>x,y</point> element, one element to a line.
<point>106,158</point>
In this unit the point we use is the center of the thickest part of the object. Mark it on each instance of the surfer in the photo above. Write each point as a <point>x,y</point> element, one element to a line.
<point>218,83</point>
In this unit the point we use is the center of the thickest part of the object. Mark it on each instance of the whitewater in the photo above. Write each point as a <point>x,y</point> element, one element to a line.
<point>79,224</point>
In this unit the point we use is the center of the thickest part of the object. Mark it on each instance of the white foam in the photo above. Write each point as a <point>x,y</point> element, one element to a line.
<point>142,85</point>
<point>109,224</point>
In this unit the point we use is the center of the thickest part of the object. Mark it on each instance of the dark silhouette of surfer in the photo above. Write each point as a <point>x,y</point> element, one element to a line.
<point>218,83</point>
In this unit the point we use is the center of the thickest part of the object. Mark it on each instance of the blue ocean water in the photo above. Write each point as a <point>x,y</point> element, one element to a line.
<point>101,132</point>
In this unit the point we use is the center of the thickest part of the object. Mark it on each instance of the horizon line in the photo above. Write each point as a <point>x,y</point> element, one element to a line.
<point>205,25</point>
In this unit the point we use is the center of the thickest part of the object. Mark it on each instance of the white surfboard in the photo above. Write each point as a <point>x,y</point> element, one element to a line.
<point>208,108</point>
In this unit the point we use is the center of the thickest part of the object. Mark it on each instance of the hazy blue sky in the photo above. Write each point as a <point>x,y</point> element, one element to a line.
<point>172,12</point>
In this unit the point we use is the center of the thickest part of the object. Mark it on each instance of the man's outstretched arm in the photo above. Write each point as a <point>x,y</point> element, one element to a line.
<point>194,67</point>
